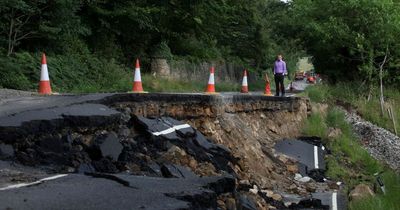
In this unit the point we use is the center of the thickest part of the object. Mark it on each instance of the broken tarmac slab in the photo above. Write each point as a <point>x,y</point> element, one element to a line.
<point>335,200</point>
<point>188,138</point>
<point>85,192</point>
<point>52,119</point>
<point>309,156</point>
<point>6,151</point>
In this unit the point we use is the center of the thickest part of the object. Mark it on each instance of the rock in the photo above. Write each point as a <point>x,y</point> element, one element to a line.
<point>272,195</point>
<point>6,151</point>
<point>334,132</point>
<point>124,132</point>
<point>276,197</point>
<point>86,168</point>
<point>283,158</point>
<point>244,185</point>
<point>193,163</point>
<point>246,203</point>
<point>361,191</point>
<point>292,168</point>
<point>176,171</point>
<point>300,178</point>
<point>292,187</point>
<point>106,146</point>
<point>311,187</point>
<point>230,204</point>
<point>254,190</point>
<point>221,204</point>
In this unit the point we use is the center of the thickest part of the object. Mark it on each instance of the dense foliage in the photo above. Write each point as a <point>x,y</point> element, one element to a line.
<point>348,39</point>
<point>82,36</point>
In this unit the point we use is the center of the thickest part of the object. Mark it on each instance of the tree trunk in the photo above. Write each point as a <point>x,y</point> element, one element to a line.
<point>10,38</point>
<point>382,101</point>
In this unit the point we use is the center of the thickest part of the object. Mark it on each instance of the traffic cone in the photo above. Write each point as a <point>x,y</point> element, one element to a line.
<point>211,82</point>
<point>267,91</point>
<point>245,87</point>
<point>44,84</point>
<point>137,81</point>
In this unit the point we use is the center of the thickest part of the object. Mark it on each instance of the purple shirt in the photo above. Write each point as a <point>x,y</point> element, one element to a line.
<point>280,67</point>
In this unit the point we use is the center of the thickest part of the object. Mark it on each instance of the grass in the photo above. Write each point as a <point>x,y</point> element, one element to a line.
<point>349,161</point>
<point>389,201</point>
<point>356,95</point>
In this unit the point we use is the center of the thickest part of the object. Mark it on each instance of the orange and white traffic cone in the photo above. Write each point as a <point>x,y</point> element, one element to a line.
<point>211,82</point>
<point>267,91</point>
<point>44,84</point>
<point>245,87</point>
<point>137,81</point>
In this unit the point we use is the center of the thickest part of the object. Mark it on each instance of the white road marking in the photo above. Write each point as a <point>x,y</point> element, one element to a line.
<point>53,177</point>
<point>316,164</point>
<point>32,183</point>
<point>334,201</point>
<point>170,130</point>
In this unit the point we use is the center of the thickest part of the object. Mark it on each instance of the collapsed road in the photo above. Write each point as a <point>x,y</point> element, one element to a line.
<point>156,151</point>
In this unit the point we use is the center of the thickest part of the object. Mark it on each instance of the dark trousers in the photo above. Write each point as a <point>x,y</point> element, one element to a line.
<point>279,84</point>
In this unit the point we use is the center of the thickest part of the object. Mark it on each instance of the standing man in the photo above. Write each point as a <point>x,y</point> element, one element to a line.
<point>279,73</point>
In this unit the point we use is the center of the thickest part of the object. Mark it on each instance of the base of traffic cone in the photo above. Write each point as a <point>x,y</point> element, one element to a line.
<point>210,88</point>
<point>44,88</point>
<point>138,92</point>
<point>267,91</point>
<point>245,89</point>
<point>137,87</point>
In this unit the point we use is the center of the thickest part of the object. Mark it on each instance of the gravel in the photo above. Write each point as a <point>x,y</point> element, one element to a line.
<point>8,93</point>
<point>380,143</point>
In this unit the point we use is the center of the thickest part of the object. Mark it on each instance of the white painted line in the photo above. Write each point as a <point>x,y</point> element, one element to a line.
<point>15,186</point>
<point>334,201</point>
<point>53,177</point>
<point>178,127</point>
<point>316,164</point>
<point>170,130</point>
<point>19,185</point>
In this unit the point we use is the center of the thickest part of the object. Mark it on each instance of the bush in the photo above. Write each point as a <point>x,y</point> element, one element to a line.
<point>68,73</point>
<point>317,93</point>
<point>19,71</point>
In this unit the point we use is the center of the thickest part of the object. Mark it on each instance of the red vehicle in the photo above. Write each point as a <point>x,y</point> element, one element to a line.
<point>311,77</point>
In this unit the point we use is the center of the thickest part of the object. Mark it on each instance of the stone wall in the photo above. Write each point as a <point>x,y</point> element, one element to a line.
<point>185,70</point>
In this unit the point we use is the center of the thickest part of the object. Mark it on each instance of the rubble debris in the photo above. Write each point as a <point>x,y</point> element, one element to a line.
<point>196,145</point>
